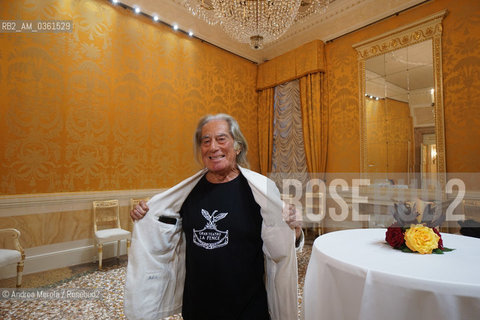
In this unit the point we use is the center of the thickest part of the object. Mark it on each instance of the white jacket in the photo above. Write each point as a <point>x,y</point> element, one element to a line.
<point>156,261</point>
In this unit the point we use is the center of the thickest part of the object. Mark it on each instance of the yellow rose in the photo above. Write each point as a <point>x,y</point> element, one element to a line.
<point>421,239</point>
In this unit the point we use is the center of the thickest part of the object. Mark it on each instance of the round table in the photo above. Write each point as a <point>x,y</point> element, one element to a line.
<point>355,274</point>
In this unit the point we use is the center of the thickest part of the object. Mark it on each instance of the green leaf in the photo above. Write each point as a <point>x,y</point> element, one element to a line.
<point>437,251</point>
<point>447,249</point>
<point>407,249</point>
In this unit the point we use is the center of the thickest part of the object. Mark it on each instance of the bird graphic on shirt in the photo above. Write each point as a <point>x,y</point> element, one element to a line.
<point>213,218</point>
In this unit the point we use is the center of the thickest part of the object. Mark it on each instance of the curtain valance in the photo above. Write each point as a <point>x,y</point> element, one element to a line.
<point>306,59</point>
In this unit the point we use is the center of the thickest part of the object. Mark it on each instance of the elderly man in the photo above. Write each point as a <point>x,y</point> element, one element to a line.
<point>216,245</point>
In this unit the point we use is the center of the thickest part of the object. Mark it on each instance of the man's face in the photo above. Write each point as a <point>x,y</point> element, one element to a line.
<point>217,147</point>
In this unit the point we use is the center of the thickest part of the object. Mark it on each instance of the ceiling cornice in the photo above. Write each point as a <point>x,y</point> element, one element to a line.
<point>341,17</point>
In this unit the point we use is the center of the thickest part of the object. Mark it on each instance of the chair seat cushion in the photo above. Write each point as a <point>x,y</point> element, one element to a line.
<point>9,256</point>
<point>112,235</point>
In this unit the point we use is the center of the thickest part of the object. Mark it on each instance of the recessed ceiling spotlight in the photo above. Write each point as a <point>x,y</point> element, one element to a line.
<point>175,27</point>
<point>137,9</point>
<point>190,33</point>
<point>155,18</point>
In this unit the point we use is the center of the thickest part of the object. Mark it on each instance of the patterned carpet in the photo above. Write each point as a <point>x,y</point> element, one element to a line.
<point>89,295</point>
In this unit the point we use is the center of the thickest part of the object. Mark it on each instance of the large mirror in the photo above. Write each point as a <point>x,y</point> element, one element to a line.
<point>401,106</point>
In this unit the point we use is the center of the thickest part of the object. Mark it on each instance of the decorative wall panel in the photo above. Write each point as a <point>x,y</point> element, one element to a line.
<point>461,69</point>
<point>344,132</point>
<point>112,105</point>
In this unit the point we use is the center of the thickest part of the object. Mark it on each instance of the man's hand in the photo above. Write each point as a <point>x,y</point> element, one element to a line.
<point>139,211</point>
<point>294,220</point>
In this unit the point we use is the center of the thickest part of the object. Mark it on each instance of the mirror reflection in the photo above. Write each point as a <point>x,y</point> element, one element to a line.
<point>400,116</point>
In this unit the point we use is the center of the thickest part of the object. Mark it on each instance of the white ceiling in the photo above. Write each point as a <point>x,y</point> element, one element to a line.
<point>341,17</point>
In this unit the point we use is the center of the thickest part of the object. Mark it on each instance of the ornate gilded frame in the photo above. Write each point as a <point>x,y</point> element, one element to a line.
<point>425,29</point>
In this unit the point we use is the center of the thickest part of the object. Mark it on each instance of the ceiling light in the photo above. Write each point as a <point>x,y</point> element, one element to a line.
<point>190,33</point>
<point>155,18</point>
<point>255,21</point>
<point>175,27</point>
<point>137,10</point>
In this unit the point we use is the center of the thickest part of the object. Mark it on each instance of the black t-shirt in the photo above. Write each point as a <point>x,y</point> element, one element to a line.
<point>224,258</point>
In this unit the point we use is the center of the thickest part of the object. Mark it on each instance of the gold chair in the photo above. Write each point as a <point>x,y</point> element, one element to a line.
<point>11,251</point>
<point>106,215</point>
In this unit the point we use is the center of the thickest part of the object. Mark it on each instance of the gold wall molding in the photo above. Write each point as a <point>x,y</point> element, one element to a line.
<point>421,30</point>
<point>32,204</point>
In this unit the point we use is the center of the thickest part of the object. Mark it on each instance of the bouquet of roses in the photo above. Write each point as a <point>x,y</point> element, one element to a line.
<point>414,232</point>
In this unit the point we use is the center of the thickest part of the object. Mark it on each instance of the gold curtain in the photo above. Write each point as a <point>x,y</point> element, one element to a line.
<point>265,129</point>
<point>315,121</point>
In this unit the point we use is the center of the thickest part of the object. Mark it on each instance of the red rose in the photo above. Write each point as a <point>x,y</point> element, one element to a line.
<point>440,241</point>
<point>394,236</point>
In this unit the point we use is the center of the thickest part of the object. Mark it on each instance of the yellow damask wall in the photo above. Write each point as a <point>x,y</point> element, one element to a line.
<point>461,67</point>
<point>113,104</point>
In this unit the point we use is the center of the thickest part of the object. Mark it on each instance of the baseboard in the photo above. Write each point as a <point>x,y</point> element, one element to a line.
<point>61,255</point>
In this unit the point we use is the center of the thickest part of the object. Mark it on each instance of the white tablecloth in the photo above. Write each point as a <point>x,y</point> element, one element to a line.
<point>355,274</point>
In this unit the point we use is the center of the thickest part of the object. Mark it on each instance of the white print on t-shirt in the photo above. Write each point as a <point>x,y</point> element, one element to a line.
<point>210,237</point>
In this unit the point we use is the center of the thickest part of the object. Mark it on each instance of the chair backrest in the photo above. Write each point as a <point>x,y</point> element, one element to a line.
<point>106,212</point>
<point>134,202</point>
<point>315,202</point>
